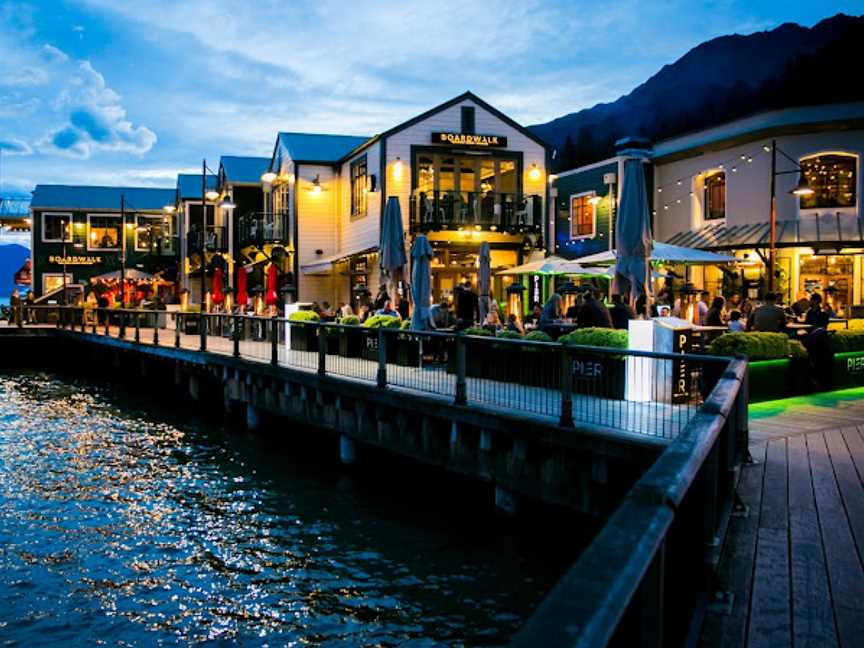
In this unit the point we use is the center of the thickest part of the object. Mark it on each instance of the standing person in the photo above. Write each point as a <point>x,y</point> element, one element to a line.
<point>381,298</point>
<point>593,312</point>
<point>768,318</point>
<point>620,313</point>
<point>816,315</point>
<point>467,305</point>
<point>702,308</point>
<point>715,313</point>
<point>29,312</point>
<point>404,307</point>
<point>15,308</point>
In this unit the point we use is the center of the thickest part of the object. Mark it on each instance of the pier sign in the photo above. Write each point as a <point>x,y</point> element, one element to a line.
<point>469,139</point>
<point>74,260</point>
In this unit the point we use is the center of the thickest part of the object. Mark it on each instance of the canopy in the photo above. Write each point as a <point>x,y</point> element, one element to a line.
<point>553,265</point>
<point>665,253</point>
<point>484,279</point>
<point>421,283</point>
<point>216,287</point>
<point>633,240</point>
<point>271,297</point>
<point>242,296</point>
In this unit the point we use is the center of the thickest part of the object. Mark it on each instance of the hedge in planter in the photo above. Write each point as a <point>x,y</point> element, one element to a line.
<point>504,365</point>
<point>304,337</point>
<point>593,373</point>
<point>778,367</point>
<point>539,365</point>
<point>351,340</point>
<point>370,349</point>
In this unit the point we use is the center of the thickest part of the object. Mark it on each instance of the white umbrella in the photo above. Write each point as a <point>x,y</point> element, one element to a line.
<point>664,253</point>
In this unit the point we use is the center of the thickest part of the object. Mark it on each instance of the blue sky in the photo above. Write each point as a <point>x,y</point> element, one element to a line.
<point>126,92</point>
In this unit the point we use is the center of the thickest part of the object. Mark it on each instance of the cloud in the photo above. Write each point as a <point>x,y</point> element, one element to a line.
<point>54,54</point>
<point>95,119</point>
<point>15,147</point>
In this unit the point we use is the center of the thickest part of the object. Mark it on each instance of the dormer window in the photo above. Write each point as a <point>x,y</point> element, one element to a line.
<point>715,195</point>
<point>833,178</point>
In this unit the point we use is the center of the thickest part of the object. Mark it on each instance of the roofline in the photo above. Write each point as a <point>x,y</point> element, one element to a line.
<point>104,187</point>
<point>791,128</point>
<point>587,167</point>
<point>108,210</point>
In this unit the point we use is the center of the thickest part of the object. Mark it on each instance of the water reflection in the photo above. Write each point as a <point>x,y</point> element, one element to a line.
<point>119,524</point>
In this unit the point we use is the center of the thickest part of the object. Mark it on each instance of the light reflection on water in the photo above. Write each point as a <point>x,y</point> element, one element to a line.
<point>127,529</point>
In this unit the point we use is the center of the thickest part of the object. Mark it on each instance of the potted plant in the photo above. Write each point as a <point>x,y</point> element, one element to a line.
<point>597,374</point>
<point>351,338</point>
<point>371,326</point>
<point>304,337</point>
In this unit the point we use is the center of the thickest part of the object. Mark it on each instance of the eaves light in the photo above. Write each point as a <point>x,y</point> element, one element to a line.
<point>268,178</point>
<point>595,199</point>
<point>227,203</point>
<point>211,195</point>
<point>316,185</point>
<point>534,173</point>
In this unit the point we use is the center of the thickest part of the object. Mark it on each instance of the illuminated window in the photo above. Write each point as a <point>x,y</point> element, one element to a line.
<point>582,216</point>
<point>103,232</point>
<point>715,195</point>
<point>358,187</point>
<point>833,180</point>
<point>57,228</point>
<point>150,232</point>
<point>52,281</point>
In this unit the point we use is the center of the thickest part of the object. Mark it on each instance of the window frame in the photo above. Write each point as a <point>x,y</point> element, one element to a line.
<point>60,240</point>
<point>586,195</point>
<point>55,275</point>
<point>705,195</point>
<point>90,247</point>
<point>849,154</point>
<point>158,217</point>
<point>357,187</point>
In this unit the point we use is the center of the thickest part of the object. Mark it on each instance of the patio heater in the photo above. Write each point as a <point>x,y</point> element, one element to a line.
<point>515,293</point>
<point>568,292</point>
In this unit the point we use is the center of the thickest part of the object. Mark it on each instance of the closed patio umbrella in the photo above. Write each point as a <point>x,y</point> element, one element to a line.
<point>484,279</point>
<point>242,296</point>
<point>392,245</point>
<point>271,297</point>
<point>216,287</point>
<point>421,283</point>
<point>633,242</point>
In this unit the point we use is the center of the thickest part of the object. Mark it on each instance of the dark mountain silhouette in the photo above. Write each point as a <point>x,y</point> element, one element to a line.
<point>720,80</point>
<point>12,257</point>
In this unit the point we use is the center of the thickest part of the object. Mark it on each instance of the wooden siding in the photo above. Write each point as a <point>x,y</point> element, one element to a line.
<point>362,232</point>
<point>317,228</point>
<point>576,183</point>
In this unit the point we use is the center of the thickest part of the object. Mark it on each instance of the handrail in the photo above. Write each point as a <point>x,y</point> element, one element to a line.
<point>587,605</point>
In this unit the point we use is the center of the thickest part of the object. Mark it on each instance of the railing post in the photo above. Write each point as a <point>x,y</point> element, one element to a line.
<point>83,319</point>
<point>137,328</point>
<point>382,359</point>
<point>461,384</point>
<point>235,335</point>
<point>652,601</point>
<point>121,330</point>
<point>178,323</point>
<point>95,320</point>
<point>709,496</point>
<point>59,316</point>
<point>566,372</point>
<point>274,340</point>
<point>322,350</point>
<point>202,329</point>
<point>156,327</point>
<point>107,321</point>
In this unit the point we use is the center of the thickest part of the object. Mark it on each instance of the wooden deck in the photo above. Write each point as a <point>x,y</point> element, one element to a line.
<point>794,562</point>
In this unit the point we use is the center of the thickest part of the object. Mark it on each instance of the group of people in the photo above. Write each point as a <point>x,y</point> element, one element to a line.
<point>20,309</point>
<point>588,310</point>
<point>382,304</point>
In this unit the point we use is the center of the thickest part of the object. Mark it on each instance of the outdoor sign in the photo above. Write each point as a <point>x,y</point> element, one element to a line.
<point>468,139</point>
<point>74,260</point>
<point>681,343</point>
<point>536,290</point>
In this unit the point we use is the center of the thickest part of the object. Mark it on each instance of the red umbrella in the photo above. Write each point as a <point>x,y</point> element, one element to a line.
<point>216,287</point>
<point>271,298</point>
<point>242,297</point>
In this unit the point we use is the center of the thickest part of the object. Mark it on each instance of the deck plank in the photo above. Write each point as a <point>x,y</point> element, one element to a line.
<point>812,614</point>
<point>770,622</point>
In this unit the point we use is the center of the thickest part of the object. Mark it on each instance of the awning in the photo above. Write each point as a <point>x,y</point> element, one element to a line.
<point>821,231</point>
<point>324,265</point>
<point>664,252</point>
<point>553,265</point>
<point>24,275</point>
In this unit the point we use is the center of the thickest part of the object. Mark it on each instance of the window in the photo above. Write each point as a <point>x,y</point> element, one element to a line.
<point>832,178</point>
<point>104,232</point>
<point>52,281</point>
<point>56,228</point>
<point>358,187</point>
<point>715,195</point>
<point>151,232</point>
<point>582,217</point>
<point>468,122</point>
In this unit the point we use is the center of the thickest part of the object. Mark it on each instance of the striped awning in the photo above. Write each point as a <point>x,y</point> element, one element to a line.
<point>819,231</point>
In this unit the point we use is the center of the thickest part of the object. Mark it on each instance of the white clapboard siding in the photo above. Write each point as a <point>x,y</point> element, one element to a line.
<point>316,228</point>
<point>357,234</point>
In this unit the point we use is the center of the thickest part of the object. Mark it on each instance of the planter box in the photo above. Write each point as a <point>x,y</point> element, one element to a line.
<point>601,376</point>
<point>370,348</point>
<point>540,367</point>
<point>848,369</point>
<point>351,342</point>
<point>191,323</point>
<point>303,337</point>
<point>407,351</point>
<point>773,379</point>
<point>331,341</point>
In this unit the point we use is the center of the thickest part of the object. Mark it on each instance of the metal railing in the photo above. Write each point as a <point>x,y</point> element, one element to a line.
<point>645,393</point>
<point>434,210</point>
<point>261,228</point>
<point>623,590</point>
<point>214,237</point>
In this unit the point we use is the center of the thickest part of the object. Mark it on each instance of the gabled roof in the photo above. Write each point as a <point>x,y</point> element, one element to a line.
<point>189,185</point>
<point>242,169</point>
<point>101,198</point>
<point>315,147</point>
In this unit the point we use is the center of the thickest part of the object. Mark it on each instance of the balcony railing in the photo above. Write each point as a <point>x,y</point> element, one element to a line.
<point>506,212</point>
<point>261,228</point>
<point>211,238</point>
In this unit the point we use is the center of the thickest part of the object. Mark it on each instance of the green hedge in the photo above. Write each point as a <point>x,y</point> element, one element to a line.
<point>538,336</point>
<point>304,316</point>
<point>508,335</point>
<point>756,346</point>
<point>595,336</point>
<point>405,324</point>
<point>350,320</point>
<point>382,321</point>
<point>847,341</point>
<point>477,330</point>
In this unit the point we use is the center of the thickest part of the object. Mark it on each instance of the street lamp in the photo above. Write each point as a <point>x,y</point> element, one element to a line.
<point>206,196</point>
<point>802,188</point>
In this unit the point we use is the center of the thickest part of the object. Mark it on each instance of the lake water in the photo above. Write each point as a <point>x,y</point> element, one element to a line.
<point>124,524</point>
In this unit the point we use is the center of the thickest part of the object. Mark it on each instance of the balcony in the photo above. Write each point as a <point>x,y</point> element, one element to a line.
<point>212,238</point>
<point>502,212</point>
<point>262,228</point>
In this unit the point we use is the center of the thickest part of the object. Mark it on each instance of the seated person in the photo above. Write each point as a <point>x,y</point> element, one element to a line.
<point>594,312</point>
<point>715,313</point>
<point>769,317</point>
<point>388,309</point>
<point>441,314</point>
<point>514,325</point>
<point>817,317</point>
<point>492,321</point>
<point>735,323</point>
